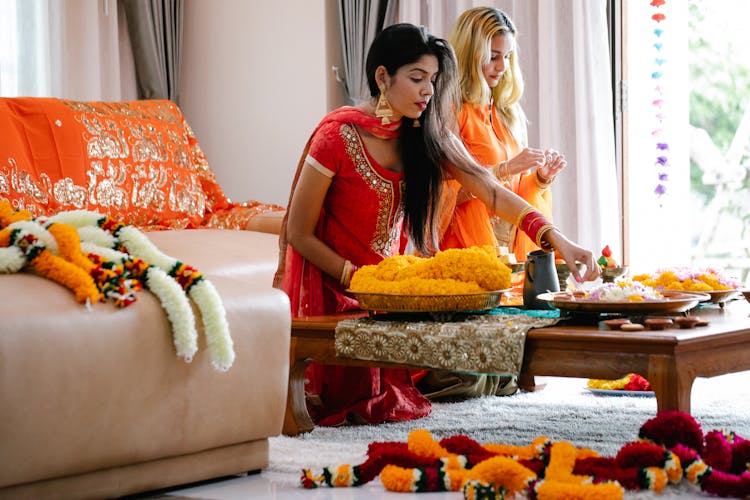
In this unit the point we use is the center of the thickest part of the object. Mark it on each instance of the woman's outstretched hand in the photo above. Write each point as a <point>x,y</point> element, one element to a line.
<point>572,253</point>
<point>553,164</point>
<point>526,160</point>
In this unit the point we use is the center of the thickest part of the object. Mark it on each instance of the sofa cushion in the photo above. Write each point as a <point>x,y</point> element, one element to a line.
<point>91,390</point>
<point>138,162</point>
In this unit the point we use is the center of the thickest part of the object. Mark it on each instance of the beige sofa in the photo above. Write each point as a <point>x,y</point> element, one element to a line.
<point>96,404</point>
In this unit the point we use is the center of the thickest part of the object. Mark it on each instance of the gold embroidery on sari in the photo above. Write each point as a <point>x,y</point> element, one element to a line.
<point>387,225</point>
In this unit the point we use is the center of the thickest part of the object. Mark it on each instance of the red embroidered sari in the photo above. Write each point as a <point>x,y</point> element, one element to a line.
<point>361,220</point>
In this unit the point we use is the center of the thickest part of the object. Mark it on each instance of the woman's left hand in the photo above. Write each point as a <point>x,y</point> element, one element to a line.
<point>553,164</point>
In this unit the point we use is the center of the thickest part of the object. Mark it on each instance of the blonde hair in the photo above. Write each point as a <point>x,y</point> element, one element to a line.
<point>471,39</point>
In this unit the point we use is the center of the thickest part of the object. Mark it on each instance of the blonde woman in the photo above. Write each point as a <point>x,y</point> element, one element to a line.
<point>493,128</point>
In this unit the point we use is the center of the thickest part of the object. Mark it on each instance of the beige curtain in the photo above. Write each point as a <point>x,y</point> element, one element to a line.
<point>360,21</point>
<point>564,55</point>
<point>155,28</point>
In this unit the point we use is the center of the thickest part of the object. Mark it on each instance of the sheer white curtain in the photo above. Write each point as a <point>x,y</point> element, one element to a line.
<point>563,50</point>
<point>73,49</point>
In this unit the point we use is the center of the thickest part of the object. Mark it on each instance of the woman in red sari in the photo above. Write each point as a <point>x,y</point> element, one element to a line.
<point>366,172</point>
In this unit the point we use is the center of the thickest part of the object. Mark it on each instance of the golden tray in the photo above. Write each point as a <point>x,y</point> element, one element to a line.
<point>391,302</point>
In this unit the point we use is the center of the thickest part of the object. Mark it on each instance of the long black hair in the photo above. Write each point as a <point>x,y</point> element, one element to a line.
<point>422,149</point>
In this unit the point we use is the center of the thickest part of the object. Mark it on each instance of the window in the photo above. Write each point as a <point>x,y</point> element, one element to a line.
<point>686,134</point>
<point>24,48</point>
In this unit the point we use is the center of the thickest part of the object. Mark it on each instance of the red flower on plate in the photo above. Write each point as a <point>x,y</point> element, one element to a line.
<point>658,3</point>
<point>658,17</point>
<point>637,383</point>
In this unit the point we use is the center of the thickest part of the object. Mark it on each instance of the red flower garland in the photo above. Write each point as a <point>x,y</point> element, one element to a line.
<point>671,449</point>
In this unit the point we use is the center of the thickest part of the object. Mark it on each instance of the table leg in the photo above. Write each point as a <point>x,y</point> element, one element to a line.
<point>297,419</point>
<point>671,384</point>
<point>527,382</point>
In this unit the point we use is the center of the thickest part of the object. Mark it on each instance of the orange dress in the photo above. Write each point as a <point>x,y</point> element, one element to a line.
<point>489,141</point>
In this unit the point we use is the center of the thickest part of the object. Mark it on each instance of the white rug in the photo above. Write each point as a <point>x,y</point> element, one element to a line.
<point>562,410</point>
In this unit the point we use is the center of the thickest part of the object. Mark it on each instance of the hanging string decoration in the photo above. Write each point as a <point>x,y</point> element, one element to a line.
<point>661,159</point>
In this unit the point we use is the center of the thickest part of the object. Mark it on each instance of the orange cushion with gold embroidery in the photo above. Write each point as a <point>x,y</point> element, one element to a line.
<point>138,161</point>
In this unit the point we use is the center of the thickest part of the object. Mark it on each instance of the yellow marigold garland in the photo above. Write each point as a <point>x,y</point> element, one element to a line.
<point>505,474</point>
<point>529,452</point>
<point>555,490</point>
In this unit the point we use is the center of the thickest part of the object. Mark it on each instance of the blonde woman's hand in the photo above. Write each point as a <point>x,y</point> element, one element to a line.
<point>553,164</point>
<point>571,253</point>
<point>526,160</point>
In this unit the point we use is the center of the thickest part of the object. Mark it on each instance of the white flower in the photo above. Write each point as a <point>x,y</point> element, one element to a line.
<point>77,218</point>
<point>12,260</point>
<point>34,228</point>
<point>218,339</point>
<point>96,235</point>
<point>105,253</point>
<point>138,245</point>
<point>180,314</point>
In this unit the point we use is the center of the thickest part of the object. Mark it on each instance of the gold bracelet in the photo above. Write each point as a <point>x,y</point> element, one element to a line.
<point>542,183</point>
<point>526,211</point>
<point>346,274</point>
<point>498,171</point>
<point>542,243</point>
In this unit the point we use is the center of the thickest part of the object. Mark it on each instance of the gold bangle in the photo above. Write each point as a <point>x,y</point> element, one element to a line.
<point>542,243</point>
<point>542,183</point>
<point>346,274</point>
<point>498,171</point>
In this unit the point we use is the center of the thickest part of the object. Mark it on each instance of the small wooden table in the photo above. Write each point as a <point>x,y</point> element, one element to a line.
<point>670,359</point>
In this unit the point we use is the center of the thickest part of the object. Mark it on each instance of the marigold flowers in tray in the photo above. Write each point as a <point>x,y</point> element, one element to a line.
<point>454,271</point>
<point>688,279</point>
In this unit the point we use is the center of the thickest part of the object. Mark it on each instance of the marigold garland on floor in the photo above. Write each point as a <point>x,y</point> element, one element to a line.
<point>671,447</point>
<point>100,259</point>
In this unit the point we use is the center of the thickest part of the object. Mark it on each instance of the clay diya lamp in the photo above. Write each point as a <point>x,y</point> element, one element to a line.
<point>616,324</point>
<point>687,321</point>
<point>658,323</point>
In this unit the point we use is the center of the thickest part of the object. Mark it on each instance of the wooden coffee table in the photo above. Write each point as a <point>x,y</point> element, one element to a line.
<point>670,359</point>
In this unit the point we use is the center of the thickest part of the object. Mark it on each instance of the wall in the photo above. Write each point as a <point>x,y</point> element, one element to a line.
<point>255,82</point>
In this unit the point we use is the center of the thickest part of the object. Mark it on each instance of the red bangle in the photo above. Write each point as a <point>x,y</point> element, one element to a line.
<point>535,225</point>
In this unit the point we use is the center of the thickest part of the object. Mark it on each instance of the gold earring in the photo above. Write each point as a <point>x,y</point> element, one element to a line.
<point>416,123</point>
<point>383,110</point>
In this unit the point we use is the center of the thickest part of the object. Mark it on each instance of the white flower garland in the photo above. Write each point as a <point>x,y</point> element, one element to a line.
<point>179,312</point>
<point>218,341</point>
<point>168,289</point>
<point>170,295</point>
<point>203,293</point>
<point>77,218</point>
<point>12,260</point>
<point>97,236</point>
<point>38,231</point>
